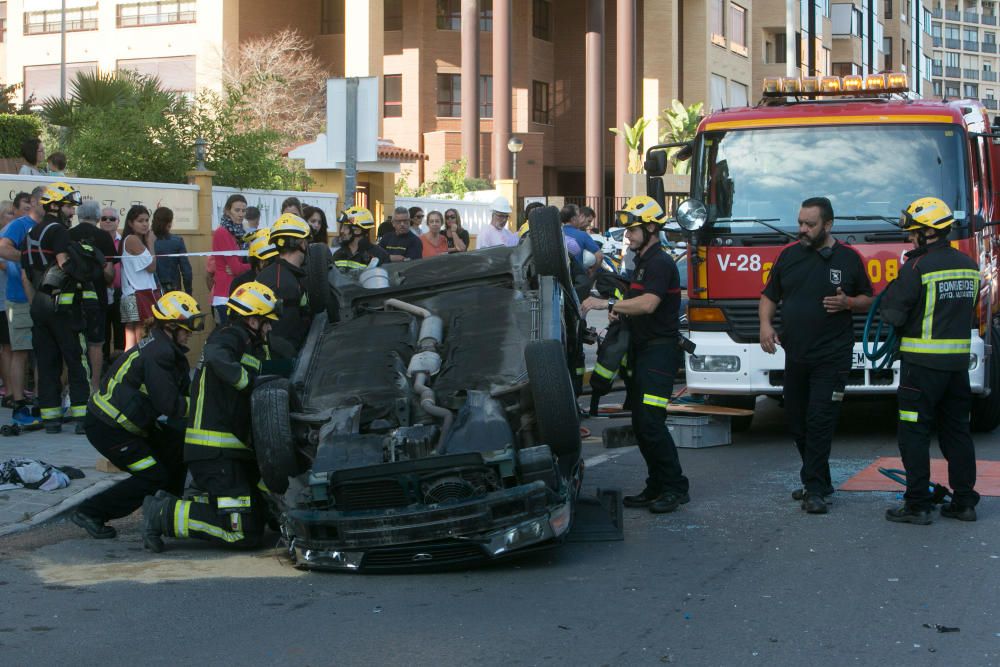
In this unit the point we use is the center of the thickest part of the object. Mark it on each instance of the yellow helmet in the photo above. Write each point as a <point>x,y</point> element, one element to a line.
<point>640,210</point>
<point>179,308</point>
<point>926,213</point>
<point>357,216</point>
<point>254,298</point>
<point>60,193</point>
<point>288,229</point>
<point>522,230</point>
<point>259,244</point>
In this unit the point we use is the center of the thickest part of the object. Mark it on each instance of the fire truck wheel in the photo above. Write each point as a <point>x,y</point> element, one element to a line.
<point>739,424</point>
<point>986,409</point>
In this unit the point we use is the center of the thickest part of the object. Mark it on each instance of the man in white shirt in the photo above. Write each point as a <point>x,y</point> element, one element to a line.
<point>497,233</point>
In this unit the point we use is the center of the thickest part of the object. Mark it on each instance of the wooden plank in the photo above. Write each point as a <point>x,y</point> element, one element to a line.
<point>689,409</point>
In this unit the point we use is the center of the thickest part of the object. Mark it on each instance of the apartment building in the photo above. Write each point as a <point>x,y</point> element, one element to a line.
<point>574,68</point>
<point>838,38</point>
<point>965,51</point>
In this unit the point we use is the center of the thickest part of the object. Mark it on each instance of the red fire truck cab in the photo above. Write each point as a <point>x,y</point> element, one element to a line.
<point>871,155</point>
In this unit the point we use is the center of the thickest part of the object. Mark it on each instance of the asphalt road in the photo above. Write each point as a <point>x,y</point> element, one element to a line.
<point>738,576</point>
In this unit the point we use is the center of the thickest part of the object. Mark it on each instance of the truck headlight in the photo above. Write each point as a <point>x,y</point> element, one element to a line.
<point>714,363</point>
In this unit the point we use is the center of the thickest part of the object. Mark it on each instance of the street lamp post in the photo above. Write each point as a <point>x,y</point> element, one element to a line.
<point>515,146</point>
<point>199,153</point>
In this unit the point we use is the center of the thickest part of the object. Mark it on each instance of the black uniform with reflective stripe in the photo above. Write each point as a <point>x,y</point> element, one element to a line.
<point>933,304</point>
<point>219,418</point>
<point>655,273</point>
<point>148,380</point>
<point>345,261</point>
<point>288,283</point>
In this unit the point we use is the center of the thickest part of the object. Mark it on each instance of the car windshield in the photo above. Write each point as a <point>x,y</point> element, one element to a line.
<point>867,171</point>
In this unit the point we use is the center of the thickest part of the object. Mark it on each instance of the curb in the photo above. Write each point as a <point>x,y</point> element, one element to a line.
<point>64,505</point>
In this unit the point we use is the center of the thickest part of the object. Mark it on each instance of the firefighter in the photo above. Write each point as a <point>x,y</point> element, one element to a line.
<point>261,251</point>
<point>217,448</point>
<point>148,382</point>
<point>356,250</point>
<point>285,276</point>
<point>56,299</point>
<point>933,305</point>
<point>651,308</point>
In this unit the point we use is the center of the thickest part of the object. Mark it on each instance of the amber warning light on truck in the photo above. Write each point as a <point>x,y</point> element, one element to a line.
<point>820,86</point>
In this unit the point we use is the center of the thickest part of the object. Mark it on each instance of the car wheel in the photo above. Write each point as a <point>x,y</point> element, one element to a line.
<point>318,276</point>
<point>535,463</point>
<point>272,434</point>
<point>986,410</point>
<point>556,411</point>
<point>548,245</point>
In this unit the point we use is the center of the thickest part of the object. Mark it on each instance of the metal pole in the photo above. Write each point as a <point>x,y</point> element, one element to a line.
<point>62,53</point>
<point>514,175</point>
<point>790,38</point>
<point>502,95</point>
<point>470,86</point>
<point>624,86</point>
<point>594,125</point>
<point>351,152</point>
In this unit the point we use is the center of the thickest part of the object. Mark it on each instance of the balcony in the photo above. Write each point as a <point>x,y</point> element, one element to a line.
<point>970,17</point>
<point>970,46</point>
<point>953,72</point>
<point>937,70</point>
<point>970,74</point>
<point>990,104</point>
<point>937,13</point>
<point>988,75</point>
<point>953,16</point>
<point>989,47</point>
<point>952,43</point>
<point>989,19</point>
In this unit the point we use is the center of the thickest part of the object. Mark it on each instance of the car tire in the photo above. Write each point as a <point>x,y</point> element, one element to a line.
<point>273,441</point>
<point>986,410</point>
<point>556,411</point>
<point>548,245</point>
<point>318,276</point>
<point>535,463</point>
<point>738,424</point>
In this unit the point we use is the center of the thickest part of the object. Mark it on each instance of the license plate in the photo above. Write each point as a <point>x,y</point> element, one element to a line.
<point>859,361</point>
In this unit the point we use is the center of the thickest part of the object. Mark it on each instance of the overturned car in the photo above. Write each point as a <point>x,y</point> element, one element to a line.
<point>430,419</point>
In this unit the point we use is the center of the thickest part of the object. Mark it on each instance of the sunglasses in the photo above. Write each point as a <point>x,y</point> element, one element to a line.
<point>107,219</point>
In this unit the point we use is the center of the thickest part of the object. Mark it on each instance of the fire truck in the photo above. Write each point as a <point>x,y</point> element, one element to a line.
<point>863,144</point>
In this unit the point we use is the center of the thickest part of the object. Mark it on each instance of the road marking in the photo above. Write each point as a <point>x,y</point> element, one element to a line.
<point>604,458</point>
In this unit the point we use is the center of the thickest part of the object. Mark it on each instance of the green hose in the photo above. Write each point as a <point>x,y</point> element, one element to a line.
<point>880,355</point>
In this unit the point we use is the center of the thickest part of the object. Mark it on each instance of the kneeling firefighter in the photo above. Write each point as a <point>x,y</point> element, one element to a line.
<point>217,447</point>
<point>148,382</point>
<point>651,309</point>
<point>285,276</point>
<point>933,305</point>
<point>356,251</point>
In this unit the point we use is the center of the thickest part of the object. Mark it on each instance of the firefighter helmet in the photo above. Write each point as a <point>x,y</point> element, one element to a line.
<point>181,309</point>
<point>357,216</point>
<point>288,230</point>
<point>640,210</point>
<point>926,213</point>
<point>259,244</point>
<point>60,193</point>
<point>254,298</point>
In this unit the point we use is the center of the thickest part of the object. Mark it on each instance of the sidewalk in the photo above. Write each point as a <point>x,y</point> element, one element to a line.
<point>21,509</point>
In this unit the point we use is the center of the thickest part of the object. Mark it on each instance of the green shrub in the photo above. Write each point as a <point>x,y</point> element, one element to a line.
<point>14,130</point>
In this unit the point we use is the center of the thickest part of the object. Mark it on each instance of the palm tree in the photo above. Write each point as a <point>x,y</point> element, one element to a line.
<point>680,123</point>
<point>632,134</point>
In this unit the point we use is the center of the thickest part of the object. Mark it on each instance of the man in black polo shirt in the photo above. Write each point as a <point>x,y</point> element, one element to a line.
<point>651,308</point>
<point>95,300</point>
<point>819,283</point>
<point>402,244</point>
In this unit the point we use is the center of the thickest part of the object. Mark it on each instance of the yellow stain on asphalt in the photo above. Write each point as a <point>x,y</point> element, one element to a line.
<point>160,569</point>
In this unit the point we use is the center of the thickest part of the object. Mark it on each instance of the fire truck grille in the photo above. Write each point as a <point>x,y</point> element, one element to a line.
<point>744,324</point>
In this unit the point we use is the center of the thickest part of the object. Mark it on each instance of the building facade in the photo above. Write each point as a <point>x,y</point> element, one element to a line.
<point>965,51</point>
<point>574,68</point>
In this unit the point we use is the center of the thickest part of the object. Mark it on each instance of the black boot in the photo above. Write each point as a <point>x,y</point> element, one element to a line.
<point>953,511</point>
<point>95,527</point>
<point>813,503</point>
<point>907,514</point>
<point>157,517</point>
<point>642,499</point>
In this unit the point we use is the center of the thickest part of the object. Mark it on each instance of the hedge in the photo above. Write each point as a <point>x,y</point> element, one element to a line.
<point>14,129</point>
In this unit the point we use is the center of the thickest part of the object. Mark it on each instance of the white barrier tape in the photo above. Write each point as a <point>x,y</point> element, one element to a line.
<point>212,253</point>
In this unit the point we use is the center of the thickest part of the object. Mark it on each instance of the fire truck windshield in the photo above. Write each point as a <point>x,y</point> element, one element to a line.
<point>869,172</point>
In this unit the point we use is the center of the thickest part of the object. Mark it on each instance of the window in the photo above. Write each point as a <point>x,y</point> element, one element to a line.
<point>950,31</point>
<point>989,37</point>
<point>50,21</point>
<point>738,95</point>
<point>449,15</point>
<point>717,25</point>
<point>971,90</point>
<point>449,95</point>
<point>486,15</point>
<point>888,9</point>
<point>717,92</point>
<point>136,14</point>
<point>42,81</point>
<point>3,21</point>
<point>936,31</point>
<point>843,69</point>
<point>393,15</point>
<point>970,35</point>
<point>780,45</point>
<point>175,74</point>
<point>392,105</point>
<point>987,67</point>
<point>331,17</point>
<point>950,59</point>
<point>540,108</point>
<point>887,49</point>
<point>937,88</point>
<point>541,19</point>
<point>950,89</point>
<point>738,29</point>
<point>485,96</point>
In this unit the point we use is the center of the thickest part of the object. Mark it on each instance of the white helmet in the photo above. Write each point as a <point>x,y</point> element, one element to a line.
<point>501,205</point>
